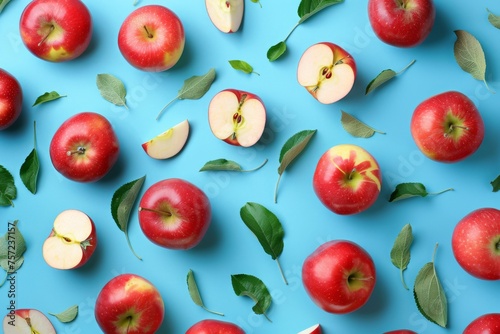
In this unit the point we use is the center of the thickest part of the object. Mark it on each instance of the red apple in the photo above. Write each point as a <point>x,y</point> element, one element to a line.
<point>347,179</point>
<point>237,117</point>
<point>84,147</point>
<point>315,329</point>
<point>447,127</point>
<point>152,38</point>
<point>174,213</point>
<point>130,304</point>
<point>401,331</point>
<point>476,243</point>
<point>210,326</point>
<point>401,23</point>
<point>27,321</point>
<point>327,71</point>
<point>11,99</point>
<point>339,276</point>
<point>225,15</point>
<point>71,242</point>
<point>56,30</point>
<point>485,324</point>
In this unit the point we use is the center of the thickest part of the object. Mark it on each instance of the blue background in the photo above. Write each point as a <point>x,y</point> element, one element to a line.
<point>229,247</point>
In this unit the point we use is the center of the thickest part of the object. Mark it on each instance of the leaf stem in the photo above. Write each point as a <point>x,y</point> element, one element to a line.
<point>434,253</point>
<point>488,87</point>
<point>256,168</point>
<point>291,31</point>
<point>406,67</point>
<point>131,248</point>
<point>442,191</point>
<point>213,312</point>
<point>276,189</point>
<point>403,279</point>
<point>34,134</point>
<point>166,106</point>
<point>281,271</point>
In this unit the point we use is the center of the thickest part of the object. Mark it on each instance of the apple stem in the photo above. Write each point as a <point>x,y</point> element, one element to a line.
<point>276,189</point>
<point>51,29</point>
<point>80,150</point>
<point>406,67</point>
<point>163,213</point>
<point>281,271</point>
<point>256,168</point>
<point>351,174</point>
<point>166,106</point>
<point>150,35</point>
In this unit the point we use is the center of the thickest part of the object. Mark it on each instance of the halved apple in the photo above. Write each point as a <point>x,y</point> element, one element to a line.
<point>168,143</point>
<point>27,321</point>
<point>316,329</point>
<point>226,15</point>
<point>71,242</point>
<point>327,72</point>
<point>237,117</point>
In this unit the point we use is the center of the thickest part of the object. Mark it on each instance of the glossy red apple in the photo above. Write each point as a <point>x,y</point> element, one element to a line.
<point>130,304</point>
<point>11,99</point>
<point>447,127</point>
<point>56,30</point>
<point>152,38</point>
<point>174,213</point>
<point>210,326</point>
<point>347,179</point>
<point>339,276</point>
<point>402,23</point>
<point>476,243</point>
<point>27,321</point>
<point>85,147</point>
<point>484,324</point>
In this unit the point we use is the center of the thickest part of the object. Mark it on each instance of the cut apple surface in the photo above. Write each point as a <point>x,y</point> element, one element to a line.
<point>327,72</point>
<point>316,329</point>
<point>168,143</point>
<point>237,117</point>
<point>27,321</point>
<point>226,15</point>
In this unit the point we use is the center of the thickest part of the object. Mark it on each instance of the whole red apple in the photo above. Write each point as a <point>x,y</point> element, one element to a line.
<point>210,326</point>
<point>339,276</point>
<point>174,213</point>
<point>56,30</point>
<point>11,99</point>
<point>84,147</point>
<point>130,304</point>
<point>152,38</point>
<point>347,179</point>
<point>26,321</point>
<point>447,127</point>
<point>401,23</point>
<point>485,324</point>
<point>476,243</point>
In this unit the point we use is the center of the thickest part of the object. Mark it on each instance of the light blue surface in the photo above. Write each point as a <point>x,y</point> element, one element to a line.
<point>229,247</point>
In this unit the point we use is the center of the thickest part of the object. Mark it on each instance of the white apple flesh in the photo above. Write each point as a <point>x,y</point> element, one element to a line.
<point>168,143</point>
<point>315,329</point>
<point>226,15</point>
<point>27,321</point>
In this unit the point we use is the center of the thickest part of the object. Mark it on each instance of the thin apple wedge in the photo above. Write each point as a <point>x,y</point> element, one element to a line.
<point>168,143</point>
<point>226,15</point>
<point>315,329</point>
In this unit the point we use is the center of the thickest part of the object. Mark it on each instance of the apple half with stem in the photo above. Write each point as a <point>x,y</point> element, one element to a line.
<point>71,242</point>
<point>27,321</point>
<point>168,143</point>
<point>315,329</point>
<point>237,117</point>
<point>327,71</point>
<point>226,15</point>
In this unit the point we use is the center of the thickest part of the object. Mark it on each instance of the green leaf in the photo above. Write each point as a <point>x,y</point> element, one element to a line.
<point>400,252</point>
<point>469,55</point>
<point>3,3</point>
<point>276,51</point>
<point>252,287</point>
<point>496,184</point>
<point>411,189</point>
<point>12,248</point>
<point>308,8</point>
<point>112,89</point>
<point>227,165</point>
<point>194,292</point>
<point>31,167</point>
<point>8,190</point>
<point>383,77</point>
<point>193,89</point>
<point>47,97</point>
<point>67,315</point>
<point>290,151</point>
<point>122,203</point>
<point>494,19</point>
<point>243,66</point>
<point>267,228</point>
<point>429,295</point>
<point>257,1</point>
<point>355,127</point>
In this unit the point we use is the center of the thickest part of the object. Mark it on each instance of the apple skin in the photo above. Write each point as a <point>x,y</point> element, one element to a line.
<point>130,304</point>
<point>401,331</point>
<point>56,30</point>
<point>27,321</point>
<point>347,179</point>
<point>476,243</point>
<point>174,213</point>
<point>85,147</point>
<point>339,276</point>
<point>484,324</point>
<point>315,329</point>
<point>152,38</point>
<point>210,326</point>
<point>402,23</point>
<point>447,127</point>
<point>11,99</point>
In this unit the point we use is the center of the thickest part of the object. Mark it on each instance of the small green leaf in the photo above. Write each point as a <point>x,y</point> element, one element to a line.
<point>383,77</point>
<point>194,292</point>
<point>47,97</point>
<point>3,3</point>
<point>227,165</point>
<point>243,66</point>
<point>67,315</point>
<point>8,190</point>
<point>355,127</point>
<point>257,1</point>
<point>122,203</point>
<point>12,248</point>
<point>411,189</point>
<point>496,184</point>
<point>290,151</point>
<point>254,288</point>
<point>112,89</point>
<point>31,167</point>
<point>400,252</point>
<point>276,51</point>
<point>494,19</point>
<point>308,8</point>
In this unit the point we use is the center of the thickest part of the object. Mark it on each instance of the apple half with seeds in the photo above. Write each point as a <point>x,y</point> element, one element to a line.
<point>226,15</point>
<point>168,143</point>
<point>27,321</point>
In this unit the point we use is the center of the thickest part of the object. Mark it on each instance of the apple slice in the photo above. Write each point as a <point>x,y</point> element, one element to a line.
<point>316,329</point>
<point>237,117</point>
<point>168,143</point>
<point>226,15</point>
<point>327,72</point>
<point>71,242</point>
<point>27,321</point>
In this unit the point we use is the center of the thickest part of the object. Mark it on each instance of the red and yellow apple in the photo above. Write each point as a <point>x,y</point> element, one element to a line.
<point>226,15</point>
<point>485,324</point>
<point>168,143</point>
<point>211,326</point>
<point>11,99</point>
